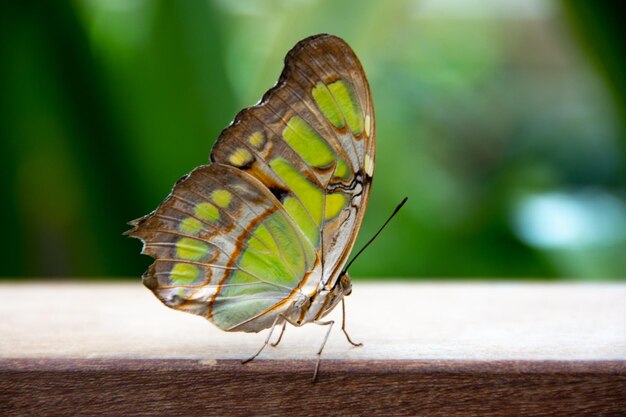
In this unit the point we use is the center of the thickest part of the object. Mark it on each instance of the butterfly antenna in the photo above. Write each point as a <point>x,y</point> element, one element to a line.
<point>375,236</point>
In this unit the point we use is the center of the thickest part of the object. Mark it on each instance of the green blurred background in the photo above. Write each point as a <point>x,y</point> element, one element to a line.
<point>502,121</point>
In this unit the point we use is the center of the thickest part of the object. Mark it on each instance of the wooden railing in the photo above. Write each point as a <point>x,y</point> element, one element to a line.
<point>429,349</point>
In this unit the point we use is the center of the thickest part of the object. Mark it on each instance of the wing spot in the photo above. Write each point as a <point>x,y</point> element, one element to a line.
<point>335,203</point>
<point>241,158</point>
<point>184,274</point>
<point>191,249</point>
<point>257,140</point>
<point>369,165</point>
<point>327,104</point>
<point>190,225</point>
<point>207,211</point>
<point>349,104</point>
<point>222,198</point>
<point>308,143</point>
<point>307,192</point>
<point>342,170</point>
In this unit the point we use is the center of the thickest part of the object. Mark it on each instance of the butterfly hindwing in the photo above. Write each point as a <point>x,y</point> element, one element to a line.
<point>224,247</point>
<point>311,142</point>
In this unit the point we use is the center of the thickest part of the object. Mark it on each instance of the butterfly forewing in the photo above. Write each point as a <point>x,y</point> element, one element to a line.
<point>311,142</point>
<point>277,212</point>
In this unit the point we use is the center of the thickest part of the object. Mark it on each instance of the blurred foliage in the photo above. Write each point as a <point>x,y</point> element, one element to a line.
<point>502,121</point>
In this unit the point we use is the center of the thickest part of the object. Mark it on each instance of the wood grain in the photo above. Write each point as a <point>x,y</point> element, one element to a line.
<point>189,388</point>
<point>431,349</point>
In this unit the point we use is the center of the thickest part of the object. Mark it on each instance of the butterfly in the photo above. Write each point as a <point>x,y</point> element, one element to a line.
<point>259,237</point>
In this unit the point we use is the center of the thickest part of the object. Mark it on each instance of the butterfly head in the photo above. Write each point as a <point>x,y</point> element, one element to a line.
<point>345,284</point>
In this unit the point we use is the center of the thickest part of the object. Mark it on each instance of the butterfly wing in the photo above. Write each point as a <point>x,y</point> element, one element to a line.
<point>278,210</point>
<point>224,248</point>
<point>311,142</point>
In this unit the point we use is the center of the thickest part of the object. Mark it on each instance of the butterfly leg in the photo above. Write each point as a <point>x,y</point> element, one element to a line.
<point>267,339</point>
<point>319,352</point>
<point>343,323</point>
<point>281,334</point>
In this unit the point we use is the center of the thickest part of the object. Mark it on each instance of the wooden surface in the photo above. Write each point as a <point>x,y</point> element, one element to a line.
<point>430,349</point>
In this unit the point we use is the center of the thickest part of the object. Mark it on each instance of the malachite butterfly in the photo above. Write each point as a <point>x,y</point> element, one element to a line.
<point>259,237</point>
